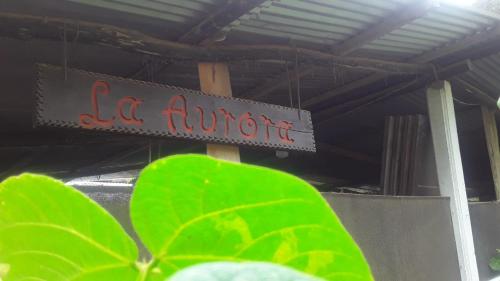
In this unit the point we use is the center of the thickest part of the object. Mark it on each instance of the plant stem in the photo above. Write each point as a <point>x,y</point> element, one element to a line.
<point>144,269</point>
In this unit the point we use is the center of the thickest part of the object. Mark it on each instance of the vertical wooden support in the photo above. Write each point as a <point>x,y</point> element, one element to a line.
<point>491,133</point>
<point>403,138</point>
<point>450,173</point>
<point>215,80</point>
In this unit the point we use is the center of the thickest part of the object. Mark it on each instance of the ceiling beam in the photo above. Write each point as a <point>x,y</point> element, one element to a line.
<point>463,46</point>
<point>131,40</point>
<point>408,86</point>
<point>347,153</point>
<point>391,22</point>
<point>484,98</point>
<point>225,14</point>
<point>212,26</point>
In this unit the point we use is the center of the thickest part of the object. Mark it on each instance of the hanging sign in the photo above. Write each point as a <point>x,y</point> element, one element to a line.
<point>80,99</point>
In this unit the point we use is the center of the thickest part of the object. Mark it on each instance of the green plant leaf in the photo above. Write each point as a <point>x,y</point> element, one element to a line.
<point>194,209</point>
<point>495,263</point>
<point>250,271</point>
<point>49,231</point>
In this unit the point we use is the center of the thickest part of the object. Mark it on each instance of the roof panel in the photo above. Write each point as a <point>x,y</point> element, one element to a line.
<point>361,8</point>
<point>181,11</point>
<point>324,19</point>
<point>484,75</point>
<point>331,37</point>
<point>327,11</point>
<point>325,22</point>
<point>304,24</point>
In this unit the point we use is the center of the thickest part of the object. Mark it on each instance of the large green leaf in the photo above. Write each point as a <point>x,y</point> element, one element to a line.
<point>250,271</point>
<point>195,209</point>
<point>49,231</point>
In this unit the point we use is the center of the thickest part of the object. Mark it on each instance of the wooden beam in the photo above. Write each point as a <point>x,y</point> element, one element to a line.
<point>484,98</point>
<point>215,22</point>
<point>214,80</point>
<point>391,22</point>
<point>135,41</point>
<point>347,153</point>
<point>426,57</point>
<point>450,174</point>
<point>205,31</point>
<point>276,83</point>
<point>408,86</point>
<point>491,133</point>
<point>344,89</point>
<point>473,40</point>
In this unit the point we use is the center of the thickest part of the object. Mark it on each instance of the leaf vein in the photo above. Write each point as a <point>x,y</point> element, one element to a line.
<point>96,269</point>
<point>278,231</point>
<point>71,231</point>
<point>164,249</point>
<point>57,256</point>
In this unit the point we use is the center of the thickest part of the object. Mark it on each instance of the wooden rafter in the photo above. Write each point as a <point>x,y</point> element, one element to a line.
<point>438,53</point>
<point>135,41</point>
<point>484,98</point>
<point>408,86</point>
<point>219,19</point>
<point>403,16</point>
<point>213,25</point>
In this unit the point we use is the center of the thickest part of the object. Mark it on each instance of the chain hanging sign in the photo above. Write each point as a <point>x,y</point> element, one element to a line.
<point>101,102</point>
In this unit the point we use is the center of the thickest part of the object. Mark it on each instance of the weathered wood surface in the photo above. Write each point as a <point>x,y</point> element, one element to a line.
<point>136,41</point>
<point>101,102</point>
<point>215,80</point>
<point>491,133</point>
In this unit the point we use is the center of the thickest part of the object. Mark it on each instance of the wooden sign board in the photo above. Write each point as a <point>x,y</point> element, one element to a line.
<point>102,102</point>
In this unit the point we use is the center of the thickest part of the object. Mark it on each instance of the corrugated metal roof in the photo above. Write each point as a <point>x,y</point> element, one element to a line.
<point>324,23</point>
<point>485,75</point>
<point>441,25</point>
<point>316,21</point>
<point>329,22</point>
<point>179,11</point>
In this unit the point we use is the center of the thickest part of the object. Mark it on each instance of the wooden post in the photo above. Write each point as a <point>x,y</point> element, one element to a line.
<point>491,133</point>
<point>215,80</point>
<point>450,173</point>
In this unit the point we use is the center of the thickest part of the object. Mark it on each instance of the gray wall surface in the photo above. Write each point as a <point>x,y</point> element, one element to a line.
<point>485,220</point>
<point>403,238</point>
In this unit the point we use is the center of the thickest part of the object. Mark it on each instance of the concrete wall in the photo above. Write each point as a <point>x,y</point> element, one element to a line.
<point>403,238</point>
<point>485,219</point>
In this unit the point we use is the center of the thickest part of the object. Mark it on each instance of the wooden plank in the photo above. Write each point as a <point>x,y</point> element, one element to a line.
<point>92,101</point>
<point>215,80</point>
<point>491,133</point>
<point>450,173</point>
<point>387,154</point>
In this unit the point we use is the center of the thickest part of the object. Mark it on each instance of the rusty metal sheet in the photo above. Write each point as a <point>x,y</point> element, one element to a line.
<point>85,100</point>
